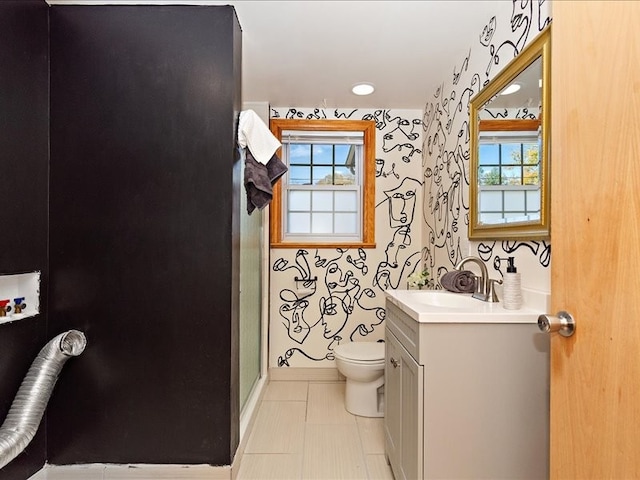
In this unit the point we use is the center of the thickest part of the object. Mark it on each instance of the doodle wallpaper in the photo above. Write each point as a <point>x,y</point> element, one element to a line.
<point>422,205</point>
<point>346,303</point>
<point>445,208</point>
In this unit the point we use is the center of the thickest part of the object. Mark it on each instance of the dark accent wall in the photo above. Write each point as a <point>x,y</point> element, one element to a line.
<point>143,241</point>
<point>24,106</point>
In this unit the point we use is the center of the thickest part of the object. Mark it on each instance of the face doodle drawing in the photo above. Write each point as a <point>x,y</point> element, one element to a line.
<point>337,307</point>
<point>402,202</point>
<point>296,325</point>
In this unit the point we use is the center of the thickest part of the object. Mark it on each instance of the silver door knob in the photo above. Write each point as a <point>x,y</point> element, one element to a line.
<point>562,322</point>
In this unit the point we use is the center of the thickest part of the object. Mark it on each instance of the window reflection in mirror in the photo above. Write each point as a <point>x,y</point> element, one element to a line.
<point>508,172</point>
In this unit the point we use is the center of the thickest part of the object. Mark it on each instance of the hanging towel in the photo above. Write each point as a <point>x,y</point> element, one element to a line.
<point>254,135</point>
<point>259,180</point>
<point>459,281</point>
<point>256,183</point>
<point>275,169</point>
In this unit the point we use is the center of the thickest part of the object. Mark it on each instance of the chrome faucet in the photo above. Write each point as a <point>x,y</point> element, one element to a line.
<point>484,286</point>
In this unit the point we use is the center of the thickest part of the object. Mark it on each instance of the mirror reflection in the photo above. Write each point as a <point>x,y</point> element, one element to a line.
<point>509,190</point>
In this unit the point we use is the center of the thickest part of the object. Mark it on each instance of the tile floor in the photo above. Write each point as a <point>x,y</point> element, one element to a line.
<point>302,431</point>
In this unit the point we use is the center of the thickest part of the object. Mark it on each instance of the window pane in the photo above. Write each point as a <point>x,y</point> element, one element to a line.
<point>300,175</point>
<point>322,201</point>
<point>345,154</point>
<point>533,200</point>
<point>491,201</point>
<point>346,201</point>
<point>322,223</point>
<point>344,176</point>
<point>346,223</point>
<point>511,176</point>
<point>299,223</point>
<point>511,154</point>
<point>300,153</point>
<point>322,154</point>
<point>489,154</point>
<point>514,201</point>
<point>491,218</point>
<point>299,201</point>
<point>488,176</point>
<point>531,175</point>
<point>323,176</point>
<point>531,153</point>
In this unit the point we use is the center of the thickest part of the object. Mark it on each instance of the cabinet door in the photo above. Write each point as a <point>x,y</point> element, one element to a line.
<point>392,401</point>
<point>403,418</point>
<point>412,431</point>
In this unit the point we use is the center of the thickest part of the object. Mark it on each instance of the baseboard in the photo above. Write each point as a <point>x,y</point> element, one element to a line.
<point>305,374</point>
<point>133,472</point>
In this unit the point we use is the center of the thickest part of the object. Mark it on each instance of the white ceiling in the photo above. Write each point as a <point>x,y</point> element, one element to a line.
<point>310,53</point>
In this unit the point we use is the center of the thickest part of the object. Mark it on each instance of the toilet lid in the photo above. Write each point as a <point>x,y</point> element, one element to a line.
<point>361,351</point>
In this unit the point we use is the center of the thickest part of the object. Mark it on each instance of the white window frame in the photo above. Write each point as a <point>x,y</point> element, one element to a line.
<point>502,138</point>
<point>290,137</point>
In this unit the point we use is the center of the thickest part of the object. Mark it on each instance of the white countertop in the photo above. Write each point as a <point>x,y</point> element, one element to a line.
<point>441,306</point>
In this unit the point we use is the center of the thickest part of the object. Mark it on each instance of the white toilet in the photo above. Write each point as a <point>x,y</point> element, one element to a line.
<point>362,363</point>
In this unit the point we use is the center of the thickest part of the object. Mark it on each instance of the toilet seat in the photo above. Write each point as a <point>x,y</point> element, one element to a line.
<point>364,363</point>
<point>361,352</point>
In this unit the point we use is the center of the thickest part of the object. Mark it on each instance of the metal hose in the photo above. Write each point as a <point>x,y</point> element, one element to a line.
<point>30,402</point>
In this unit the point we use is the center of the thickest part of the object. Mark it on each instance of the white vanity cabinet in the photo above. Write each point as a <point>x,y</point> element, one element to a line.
<point>465,400</point>
<point>403,410</point>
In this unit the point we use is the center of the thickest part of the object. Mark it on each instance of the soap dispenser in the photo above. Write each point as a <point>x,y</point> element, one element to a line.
<point>511,288</point>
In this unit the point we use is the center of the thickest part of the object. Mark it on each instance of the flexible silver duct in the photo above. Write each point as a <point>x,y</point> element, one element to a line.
<point>30,402</point>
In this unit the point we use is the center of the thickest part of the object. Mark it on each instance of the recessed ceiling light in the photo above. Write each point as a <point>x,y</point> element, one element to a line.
<point>513,88</point>
<point>363,88</point>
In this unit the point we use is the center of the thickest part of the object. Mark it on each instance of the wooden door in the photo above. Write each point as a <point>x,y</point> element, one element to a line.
<point>595,272</point>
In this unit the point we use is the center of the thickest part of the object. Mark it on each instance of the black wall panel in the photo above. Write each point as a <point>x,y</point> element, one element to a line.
<point>23,196</point>
<point>143,243</point>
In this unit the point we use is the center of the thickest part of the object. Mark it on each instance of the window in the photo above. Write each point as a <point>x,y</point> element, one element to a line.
<point>327,196</point>
<point>509,174</point>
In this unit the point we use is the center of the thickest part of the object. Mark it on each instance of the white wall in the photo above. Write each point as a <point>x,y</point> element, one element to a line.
<point>445,208</point>
<point>348,303</point>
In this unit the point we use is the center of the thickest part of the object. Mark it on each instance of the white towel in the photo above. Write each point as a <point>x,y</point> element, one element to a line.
<point>256,136</point>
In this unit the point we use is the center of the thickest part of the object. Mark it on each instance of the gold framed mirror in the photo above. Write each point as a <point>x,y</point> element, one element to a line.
<point>510,122</point>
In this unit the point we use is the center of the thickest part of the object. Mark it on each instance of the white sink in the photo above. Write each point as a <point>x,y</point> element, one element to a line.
<point>436,298</point>
<point>441,306</point>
